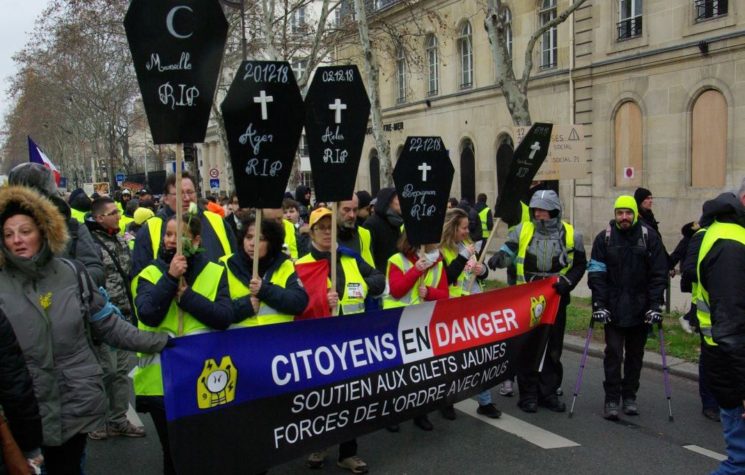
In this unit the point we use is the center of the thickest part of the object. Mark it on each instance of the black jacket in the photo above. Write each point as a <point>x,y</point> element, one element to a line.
<point>290,300</point>
<point>627,276</point>
<point>374,279</point>
<point>722,273</point>
<point>680,254</point>
<point>384,234</point>
<point>17,392</point>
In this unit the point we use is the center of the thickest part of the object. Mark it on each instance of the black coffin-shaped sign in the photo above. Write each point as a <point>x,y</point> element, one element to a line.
<point>177,49</point>
<point>526,161</point>
<point>423,176</point>
<point>337,109</point>
<point>263,114</point>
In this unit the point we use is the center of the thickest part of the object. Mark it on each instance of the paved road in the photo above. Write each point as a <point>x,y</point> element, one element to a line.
<point>517,443</point>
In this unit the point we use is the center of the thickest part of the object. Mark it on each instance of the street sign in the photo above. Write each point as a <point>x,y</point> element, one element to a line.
<point>337,109</point>
<point>177,49</point>
<point>263,113</point>
<point>214,183</point>
<point>214,173</point>
<point>120,177</point>
<point>62,182</point>
<point>423,176</point>
<point>567,154</point>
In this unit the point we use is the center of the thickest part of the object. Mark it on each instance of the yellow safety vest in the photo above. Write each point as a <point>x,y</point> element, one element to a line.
<point>431,279</point>
<point>457,288</point>
<point>148,380</point>
<point>366,245</point>
<point>353,279</point>
<point>526,235</point>
<point>484,216</point>
<point>290,238</point>
<point>155,225</point>
<point>77,214</point>
<point>123,222</point>
<point>266,314</point>
<point>714,233</point>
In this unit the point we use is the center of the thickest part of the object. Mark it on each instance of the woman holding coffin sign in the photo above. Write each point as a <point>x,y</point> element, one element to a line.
<point>177,294</point>
<point>276,296</point>
<point>461,264</point>
<point>414,277</point>
<point>355,280</point>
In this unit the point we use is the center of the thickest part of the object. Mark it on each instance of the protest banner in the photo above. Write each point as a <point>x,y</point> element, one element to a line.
<point>244,400</point>
<point>423,176</point>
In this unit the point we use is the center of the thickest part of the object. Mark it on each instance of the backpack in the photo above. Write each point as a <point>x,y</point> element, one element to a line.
<point>645,236</point>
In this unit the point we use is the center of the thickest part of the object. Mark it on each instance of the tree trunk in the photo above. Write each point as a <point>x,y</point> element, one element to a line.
<point>372,71</point>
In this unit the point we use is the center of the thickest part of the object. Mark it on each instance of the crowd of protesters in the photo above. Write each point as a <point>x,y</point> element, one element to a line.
<point>102,276</point>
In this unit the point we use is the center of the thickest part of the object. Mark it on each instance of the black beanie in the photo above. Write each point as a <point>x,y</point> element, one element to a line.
<point>641,194</point>
<point>364,198</point>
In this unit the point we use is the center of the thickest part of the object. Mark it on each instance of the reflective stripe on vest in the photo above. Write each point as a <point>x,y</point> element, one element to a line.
<point>352,279</point>
<point>431,279</point>
<point>290,238</point>
<point>483,215</point>
<point>366,245</point>
<point>526,235</point>
<point>714,233</point>
<point>155,226</point>
<point>148,380</point>
<point>266,314</point>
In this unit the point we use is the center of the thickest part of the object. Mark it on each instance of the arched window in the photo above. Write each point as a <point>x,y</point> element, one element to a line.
<point>628,142</point>
<point>467,171</point>
<point>504,159</point>
<point>508,30</point>
<point>374,172</point>
<point>548,40</point>
<point>433,65</point>
<point>400,75</point>
<point>709,140</point>
<point>465,49</point>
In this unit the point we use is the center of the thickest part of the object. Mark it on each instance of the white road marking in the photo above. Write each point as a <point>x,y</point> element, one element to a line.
<point>706,452</point>
<point>533,434</point>
<point>133,417</point>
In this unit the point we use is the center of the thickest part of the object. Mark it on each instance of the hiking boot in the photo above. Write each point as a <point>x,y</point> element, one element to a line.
<point>353,464</point>
<point>126,429</point>
<point>505,389</point>
<point>610,411</point>
<point>489,410</point>
<point>712,414</point>
<point>630,408</point>
<point>448,412</point>
<point>552,403</point>
<point>423,423</point>
<point>528,406</point>
<point>99,434</point>
<point>316,459</point>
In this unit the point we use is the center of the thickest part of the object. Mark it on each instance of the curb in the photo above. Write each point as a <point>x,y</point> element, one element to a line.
<point>652,360</point>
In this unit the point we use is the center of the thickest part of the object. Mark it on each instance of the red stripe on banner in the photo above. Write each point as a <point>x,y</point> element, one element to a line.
<point>462,323</point>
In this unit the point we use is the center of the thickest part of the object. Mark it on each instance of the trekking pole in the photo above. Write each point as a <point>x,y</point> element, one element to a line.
<point>665,373</point>
<point>581,367</point>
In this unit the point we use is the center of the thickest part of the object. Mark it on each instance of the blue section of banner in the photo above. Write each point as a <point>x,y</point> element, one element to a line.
<point>343,347</point>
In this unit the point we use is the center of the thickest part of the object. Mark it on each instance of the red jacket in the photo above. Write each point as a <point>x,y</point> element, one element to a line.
<point>400,283</point>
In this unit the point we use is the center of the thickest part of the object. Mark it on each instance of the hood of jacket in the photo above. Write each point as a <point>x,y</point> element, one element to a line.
<point>48,218</point>
<point>627,202</point>
<point>300,193</point>
<point>725,207</point>
<point>384,197</point>
<point>548,200</point>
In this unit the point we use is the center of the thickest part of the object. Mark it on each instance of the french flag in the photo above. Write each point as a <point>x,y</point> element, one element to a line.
<point>37,156</point>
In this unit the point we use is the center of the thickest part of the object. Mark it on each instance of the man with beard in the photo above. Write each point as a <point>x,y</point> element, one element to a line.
<point>350,235</point>
<point>385,227</point>
<point>627,274</point>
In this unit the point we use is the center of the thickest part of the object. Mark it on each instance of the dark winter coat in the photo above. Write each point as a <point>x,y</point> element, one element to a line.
<point>722,273</point>
<point>627,276</point>
<point>385,229</point>
<point>680,255</point>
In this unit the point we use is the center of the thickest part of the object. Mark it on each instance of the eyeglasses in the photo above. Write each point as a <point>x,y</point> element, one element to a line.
<point>111,213</point>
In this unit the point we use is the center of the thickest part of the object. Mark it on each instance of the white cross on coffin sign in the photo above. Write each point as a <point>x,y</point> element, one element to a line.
<point>424,169</point>
<point>337,107</point>
<point>264,100</point>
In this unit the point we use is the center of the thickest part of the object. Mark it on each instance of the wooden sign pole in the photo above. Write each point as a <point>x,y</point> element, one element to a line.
<point>179,223</point>
<point>492,234</point>
<point>257,241</point>
<point>333,245</point>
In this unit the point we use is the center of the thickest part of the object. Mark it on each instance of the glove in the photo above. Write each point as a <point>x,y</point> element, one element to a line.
<point>563,286</point>
<point>652,317</point>
<point>495,262</point>
<point>601,315</point>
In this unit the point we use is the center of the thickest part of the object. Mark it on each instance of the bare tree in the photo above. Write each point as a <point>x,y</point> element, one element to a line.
<point>516,89</point>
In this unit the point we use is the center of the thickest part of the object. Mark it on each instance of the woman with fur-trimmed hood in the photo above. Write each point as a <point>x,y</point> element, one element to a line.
<point>54,310</point>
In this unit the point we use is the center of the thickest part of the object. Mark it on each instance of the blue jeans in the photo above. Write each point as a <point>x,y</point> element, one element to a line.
<point>484,398</point>
<point>733,426</point>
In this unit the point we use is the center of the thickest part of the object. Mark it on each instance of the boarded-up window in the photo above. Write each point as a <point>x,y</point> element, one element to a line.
<point>709,140</point>
<point>628,145</point>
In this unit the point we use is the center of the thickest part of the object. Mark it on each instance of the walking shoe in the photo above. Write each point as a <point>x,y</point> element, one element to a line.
<point>353,464</point>
<point>528,406</point>
<point>448,412</point>
<point>630,408</point>
<point>712,414</point>
<point>559,391</point>
<point>99,434</point>
<point>505,389</point>
<point>553,403</point>
<point>126,429</point>
<point>316,459</point>
<point>610,411</point>
<point>489,410</point>
<point>423,423</point>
